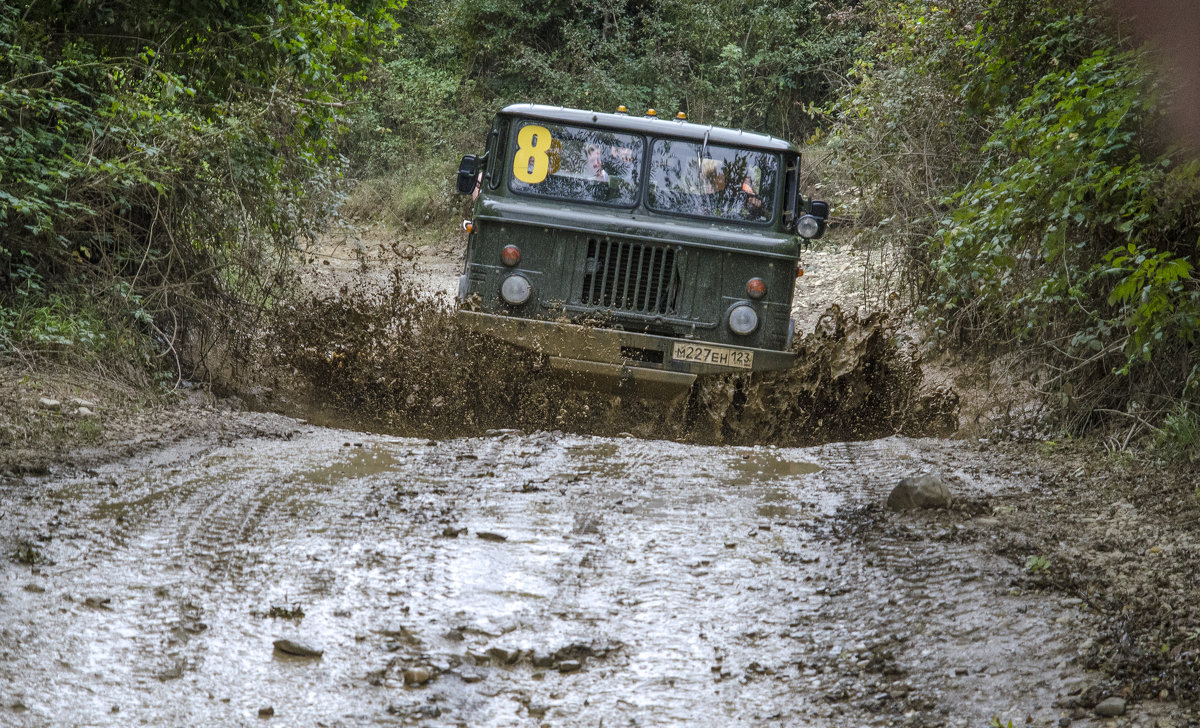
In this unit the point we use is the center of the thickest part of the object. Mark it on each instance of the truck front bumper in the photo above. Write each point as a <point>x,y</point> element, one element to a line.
<point>611,353</point>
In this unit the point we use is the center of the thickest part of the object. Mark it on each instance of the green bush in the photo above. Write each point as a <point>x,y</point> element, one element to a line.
<point>159,161</point>
<point>764,66</point>
<point>1007,154</point>
<point>1179,437</point>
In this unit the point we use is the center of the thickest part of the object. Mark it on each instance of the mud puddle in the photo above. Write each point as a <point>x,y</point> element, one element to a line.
<point>515,579</point>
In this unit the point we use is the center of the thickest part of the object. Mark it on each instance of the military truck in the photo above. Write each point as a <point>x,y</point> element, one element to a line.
<point>635,247</point>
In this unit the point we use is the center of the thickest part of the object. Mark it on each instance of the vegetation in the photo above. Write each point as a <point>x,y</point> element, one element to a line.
<point>1006,154</point>
<point>766,66</point>
<point>158,164</point>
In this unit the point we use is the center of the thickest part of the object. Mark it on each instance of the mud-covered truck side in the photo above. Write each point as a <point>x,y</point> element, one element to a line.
<point>634,246</point>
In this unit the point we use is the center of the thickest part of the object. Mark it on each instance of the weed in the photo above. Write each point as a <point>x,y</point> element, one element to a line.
<point>286,612</point>
<point>28,554</point>
<point>1049,447</point>
<point>1179,438</point>
<point>1037,565</point>
<point>90,431</point>
<point>418,196</point>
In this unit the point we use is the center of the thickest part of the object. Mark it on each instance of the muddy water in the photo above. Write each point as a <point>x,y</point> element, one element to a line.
<point>598,581</point>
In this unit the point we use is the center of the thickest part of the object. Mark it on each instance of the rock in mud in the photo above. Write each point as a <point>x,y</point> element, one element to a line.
<point>1111,707</point>
<point>569,665</point>
<point>417,675</point>
<point>503,655</point>
<point>488,536</point>
<point>922,491</point>
<point>49,404</point>
<point>453,531</point>
<point>266,712</point>
<point>297,649</point>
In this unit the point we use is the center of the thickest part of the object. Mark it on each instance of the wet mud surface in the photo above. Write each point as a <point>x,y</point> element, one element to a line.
<point>522,579</point>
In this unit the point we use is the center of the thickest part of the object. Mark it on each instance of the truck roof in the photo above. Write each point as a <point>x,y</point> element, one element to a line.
<point>653,125</point>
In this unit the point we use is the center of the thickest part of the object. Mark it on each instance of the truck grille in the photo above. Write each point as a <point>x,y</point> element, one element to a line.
<point>631,276</point>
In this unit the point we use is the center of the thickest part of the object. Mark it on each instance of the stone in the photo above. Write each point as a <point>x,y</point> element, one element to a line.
<point>266,712</point>
<point>503,655</point>
<point>488,536</point>
<point>453,531</point>
<point>1110,707</point>
<point>84,412</point>
<point>470,676</point>
<point>922,491</point>
<point>49,404</point>
<point>297,649</point>
<point>569,665</point>
<point>417,675</point>
<point>83,403</point>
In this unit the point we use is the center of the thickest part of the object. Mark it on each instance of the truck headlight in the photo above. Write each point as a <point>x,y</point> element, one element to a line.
<point>515,289</point>
<point>808,226</point>
<point>743,320</point>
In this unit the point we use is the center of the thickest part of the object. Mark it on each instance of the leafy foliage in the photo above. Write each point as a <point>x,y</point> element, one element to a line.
<point>764,66</point>
<point>1036,208</point>
<point>156,160</point>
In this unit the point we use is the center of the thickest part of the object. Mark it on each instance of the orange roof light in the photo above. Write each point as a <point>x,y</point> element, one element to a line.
<point>622,110</point>
<point>681,116</point>
<point>651,112</point>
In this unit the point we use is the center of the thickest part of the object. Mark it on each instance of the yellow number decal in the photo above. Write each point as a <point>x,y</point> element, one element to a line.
<point>531,163</point>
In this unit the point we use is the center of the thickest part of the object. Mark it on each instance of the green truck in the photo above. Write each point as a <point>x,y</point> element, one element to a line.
<point>635,247</point>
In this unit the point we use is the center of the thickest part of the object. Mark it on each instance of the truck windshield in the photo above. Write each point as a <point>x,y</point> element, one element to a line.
<point>696,178</point>
<point>576,163</point>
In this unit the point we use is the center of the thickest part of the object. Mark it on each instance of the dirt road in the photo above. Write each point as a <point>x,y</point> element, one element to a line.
<point>542,578</point>
<point>517,579</point>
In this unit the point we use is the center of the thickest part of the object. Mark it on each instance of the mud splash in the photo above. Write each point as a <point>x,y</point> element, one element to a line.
<point>395,359</point>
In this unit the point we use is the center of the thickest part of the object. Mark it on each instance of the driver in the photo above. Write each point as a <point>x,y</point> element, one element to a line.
<point>754,203</point>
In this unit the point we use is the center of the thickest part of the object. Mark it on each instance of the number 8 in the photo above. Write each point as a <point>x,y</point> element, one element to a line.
<point>530,163</point>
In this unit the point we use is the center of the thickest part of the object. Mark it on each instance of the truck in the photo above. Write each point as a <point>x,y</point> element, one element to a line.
<point>634,248</point>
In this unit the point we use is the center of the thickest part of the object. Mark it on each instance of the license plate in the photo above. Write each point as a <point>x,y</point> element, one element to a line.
<point>719,355</point>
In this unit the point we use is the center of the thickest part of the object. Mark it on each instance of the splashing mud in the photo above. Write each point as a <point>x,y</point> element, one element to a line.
<point>397,360</point>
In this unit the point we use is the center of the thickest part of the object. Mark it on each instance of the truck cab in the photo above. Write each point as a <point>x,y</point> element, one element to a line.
<point>634,247</point>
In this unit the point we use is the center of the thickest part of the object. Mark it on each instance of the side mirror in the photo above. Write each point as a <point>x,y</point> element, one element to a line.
<point>819,209</point>
<point>468,174</point>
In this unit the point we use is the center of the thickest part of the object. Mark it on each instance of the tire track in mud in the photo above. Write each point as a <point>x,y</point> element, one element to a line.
<point>186,550</point>
<point>686,584</point>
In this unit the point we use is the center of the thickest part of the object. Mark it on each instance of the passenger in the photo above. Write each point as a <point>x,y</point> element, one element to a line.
<point>595,164</point>
<point>622,156</point>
